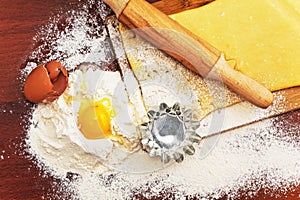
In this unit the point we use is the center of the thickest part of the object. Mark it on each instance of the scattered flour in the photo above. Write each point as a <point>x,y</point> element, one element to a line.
<point>262,155</point>
<point>245,159</point>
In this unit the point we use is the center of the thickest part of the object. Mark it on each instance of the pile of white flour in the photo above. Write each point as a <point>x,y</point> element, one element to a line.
<point>262,155</point>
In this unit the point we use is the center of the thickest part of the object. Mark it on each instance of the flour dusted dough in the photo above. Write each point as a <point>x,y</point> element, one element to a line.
<point>263,36</point>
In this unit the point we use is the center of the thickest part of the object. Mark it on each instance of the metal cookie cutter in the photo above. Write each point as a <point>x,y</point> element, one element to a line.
<point>170,133</point>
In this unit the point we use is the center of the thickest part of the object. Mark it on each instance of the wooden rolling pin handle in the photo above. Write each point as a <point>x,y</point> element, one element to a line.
<point>193,52</point>
<point>241,84</point>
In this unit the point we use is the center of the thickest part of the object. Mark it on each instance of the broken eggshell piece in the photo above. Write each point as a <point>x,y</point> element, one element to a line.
<point>46,82</point>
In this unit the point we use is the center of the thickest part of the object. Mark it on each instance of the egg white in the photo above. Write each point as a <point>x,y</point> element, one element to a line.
<point>97,84</point>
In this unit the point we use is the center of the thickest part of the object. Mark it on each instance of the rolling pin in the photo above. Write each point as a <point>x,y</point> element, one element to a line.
<point>187,48</point>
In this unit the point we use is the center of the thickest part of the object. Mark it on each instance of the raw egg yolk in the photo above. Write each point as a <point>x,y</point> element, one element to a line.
<point>94,118</point>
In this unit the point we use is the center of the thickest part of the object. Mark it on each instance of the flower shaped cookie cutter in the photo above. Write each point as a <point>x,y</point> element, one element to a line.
<point>170,133</point>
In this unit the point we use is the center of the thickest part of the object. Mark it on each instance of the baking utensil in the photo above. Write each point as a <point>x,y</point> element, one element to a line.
<point>171,135</point>
<point>171,131</point>
<point>244,113</point>
<point>193,52</point>
<point>131,83</point>
<point>170,7</point>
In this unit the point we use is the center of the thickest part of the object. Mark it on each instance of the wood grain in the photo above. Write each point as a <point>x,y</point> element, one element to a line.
<point>170,7</point>
<point>20,178</point>
<point>16,24</point>
<point>117,6</point>
<point>291,99</point>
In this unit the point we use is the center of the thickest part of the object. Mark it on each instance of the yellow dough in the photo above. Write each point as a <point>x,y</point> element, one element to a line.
<point>263,36</point>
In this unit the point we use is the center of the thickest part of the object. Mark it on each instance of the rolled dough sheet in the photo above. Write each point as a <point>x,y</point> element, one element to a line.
<point>263,36</point>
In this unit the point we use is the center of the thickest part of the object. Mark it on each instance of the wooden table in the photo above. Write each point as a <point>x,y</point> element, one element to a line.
<point>20,178</point>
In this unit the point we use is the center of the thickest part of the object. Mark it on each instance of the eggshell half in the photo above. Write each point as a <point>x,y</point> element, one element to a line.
<point>46,82</point>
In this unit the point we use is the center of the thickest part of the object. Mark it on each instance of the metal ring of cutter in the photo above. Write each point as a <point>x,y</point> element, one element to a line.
<point>170,133</point>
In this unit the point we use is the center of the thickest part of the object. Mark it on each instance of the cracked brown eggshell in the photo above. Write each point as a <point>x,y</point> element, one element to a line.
<point>46,82</point>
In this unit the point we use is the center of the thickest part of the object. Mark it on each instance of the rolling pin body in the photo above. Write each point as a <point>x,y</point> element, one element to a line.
<point>193,52</point>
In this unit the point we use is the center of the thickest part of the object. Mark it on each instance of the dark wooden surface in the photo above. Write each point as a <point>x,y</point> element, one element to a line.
<point>20,178</point>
